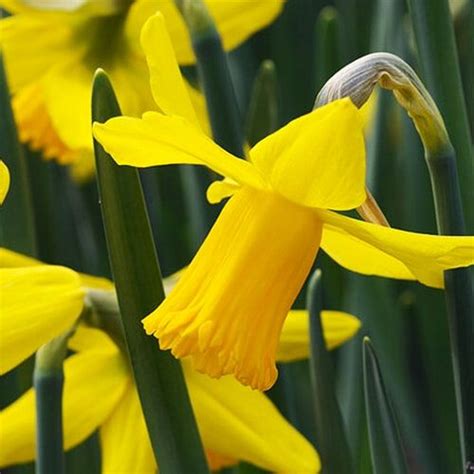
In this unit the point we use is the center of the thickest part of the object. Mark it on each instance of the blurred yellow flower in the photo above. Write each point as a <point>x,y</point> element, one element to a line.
<point>227,310</point>
<point>4,181</point>
<point>52,50</point>
<point>234,421</point>
<point>38,303</point>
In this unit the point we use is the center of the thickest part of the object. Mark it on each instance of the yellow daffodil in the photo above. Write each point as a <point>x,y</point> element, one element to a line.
<point>235,422</point>
<point>38,302</point>
<point>4,181</point>
<point>51,50</point>
<point>227,310</point>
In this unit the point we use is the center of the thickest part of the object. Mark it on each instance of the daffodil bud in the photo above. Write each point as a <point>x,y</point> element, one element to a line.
<point>358,79</point>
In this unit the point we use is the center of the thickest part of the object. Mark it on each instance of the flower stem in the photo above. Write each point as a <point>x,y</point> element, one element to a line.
<point>48,381</point>
<point>215,77</point>
<point>434,35</point>
<point>459,295</point>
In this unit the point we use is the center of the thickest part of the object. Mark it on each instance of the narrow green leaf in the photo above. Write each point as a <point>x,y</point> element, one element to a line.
<point>263,110</point>
<point>158,376</point>
<point>17,231</point>
<point>385,444</point>
<point>434,35</point>
<point>331,436</point>
<point>214,76</point>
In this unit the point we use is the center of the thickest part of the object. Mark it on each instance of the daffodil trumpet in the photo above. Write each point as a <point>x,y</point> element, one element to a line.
<point>227,310</point>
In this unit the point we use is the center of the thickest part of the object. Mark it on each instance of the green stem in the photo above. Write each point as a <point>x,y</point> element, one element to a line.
<point>215,77</point>
<point>434,34</point>
<point>48,380</point>
<point>459,295</point>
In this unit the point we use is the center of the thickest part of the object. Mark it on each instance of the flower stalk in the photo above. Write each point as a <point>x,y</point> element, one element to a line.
<point>214,75</point>
<point>357,81</point>
<point>48,382</point>
<point>435,41</point>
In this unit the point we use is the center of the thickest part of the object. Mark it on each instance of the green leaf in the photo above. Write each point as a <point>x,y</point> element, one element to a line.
<point>385,444</point>
<point>332,443</point>
<point>158,376</point>
<point>263,110</point>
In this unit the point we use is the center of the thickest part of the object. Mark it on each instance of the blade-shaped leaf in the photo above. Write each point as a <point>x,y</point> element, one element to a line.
<point>385,444</point>
<point>158,376</point>
<point>331,436</point>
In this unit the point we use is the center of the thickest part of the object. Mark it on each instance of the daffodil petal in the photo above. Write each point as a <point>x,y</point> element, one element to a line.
<point>4,181</point>
<point>91,339</point>
<point>11,259</point>
<point>240,423</point>
<point>219,190</point>
<point>166,81</point>
<point>15,6</point>
<point>338,327</point>
<point>158,139</point>
<point>67,93</point>
<point>372,249</point>
<point>317,160</point>
<point>131,82</point>
<point>236,21</point>
<point>92,281</point>
<point>31,47</point>
<point>94,383</point>
<point>367,112</point>
<point>38,303</point>
<point>124,439</point>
